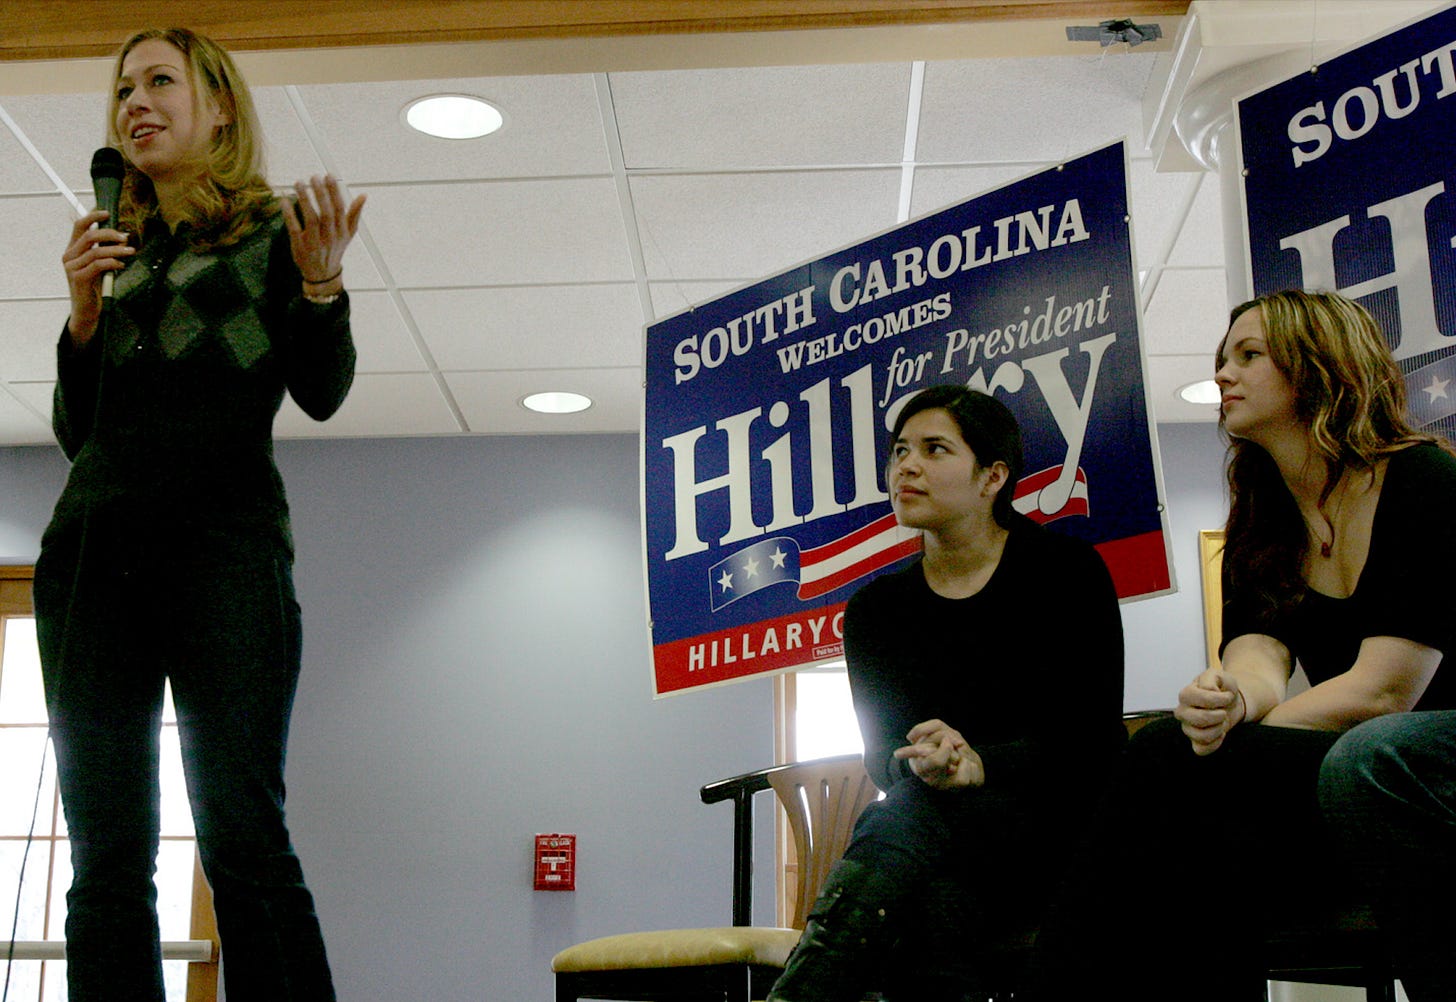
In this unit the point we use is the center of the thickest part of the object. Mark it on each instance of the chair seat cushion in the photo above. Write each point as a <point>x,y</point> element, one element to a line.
<point>679,948</point>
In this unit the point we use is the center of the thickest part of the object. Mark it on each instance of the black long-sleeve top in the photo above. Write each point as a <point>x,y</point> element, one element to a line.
<point>170,421</point>
<point>1029,669</point>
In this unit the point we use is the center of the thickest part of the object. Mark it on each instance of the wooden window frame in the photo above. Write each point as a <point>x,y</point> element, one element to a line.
<point>202,976</point>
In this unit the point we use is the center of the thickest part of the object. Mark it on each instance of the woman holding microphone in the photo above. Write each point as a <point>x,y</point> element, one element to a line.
<point>168,557</point>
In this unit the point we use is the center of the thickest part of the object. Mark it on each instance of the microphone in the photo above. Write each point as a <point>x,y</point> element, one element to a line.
<point>107,170</point>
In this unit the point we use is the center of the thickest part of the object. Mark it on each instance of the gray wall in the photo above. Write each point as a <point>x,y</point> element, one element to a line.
<point>476,670</point>
<point>1164,635</point>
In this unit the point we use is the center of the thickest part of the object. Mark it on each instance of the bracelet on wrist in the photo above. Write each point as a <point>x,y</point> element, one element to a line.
<point>323,300</point>
<point>323,281</point>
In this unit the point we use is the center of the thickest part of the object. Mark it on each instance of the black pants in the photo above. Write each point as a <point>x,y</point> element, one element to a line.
<point>119,611</point>
<point>970,866</point>
<point>1189,862</point>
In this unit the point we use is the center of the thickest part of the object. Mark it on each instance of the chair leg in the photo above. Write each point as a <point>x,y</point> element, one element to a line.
<point>1382,990</point>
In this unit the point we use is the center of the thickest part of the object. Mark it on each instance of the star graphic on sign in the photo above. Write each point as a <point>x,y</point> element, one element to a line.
<point>777,556</point>
<point>726,581</point>
<point>750,568</point>
<point>1437,388</point>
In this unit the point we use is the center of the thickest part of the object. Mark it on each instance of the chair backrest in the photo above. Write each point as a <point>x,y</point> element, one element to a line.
<point>823,799</point>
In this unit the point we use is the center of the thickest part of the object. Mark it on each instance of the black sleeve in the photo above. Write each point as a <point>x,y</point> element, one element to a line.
<point>881,703</point>
<point>315,341</point>
<point>1407,588</point>
<point>73,407</point>
<point>1239,616</point>
<point>1073,641</point>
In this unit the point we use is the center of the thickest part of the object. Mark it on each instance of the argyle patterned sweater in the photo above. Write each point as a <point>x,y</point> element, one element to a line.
<point>169,422</point>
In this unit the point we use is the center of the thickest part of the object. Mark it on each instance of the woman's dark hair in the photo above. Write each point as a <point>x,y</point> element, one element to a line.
<point>1350,393</point>
<point>986,424</point>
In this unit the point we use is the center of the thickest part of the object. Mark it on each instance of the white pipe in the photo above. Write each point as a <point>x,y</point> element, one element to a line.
<point>196,951</point>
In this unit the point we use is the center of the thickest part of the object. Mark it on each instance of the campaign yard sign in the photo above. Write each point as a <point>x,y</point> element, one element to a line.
<point>767,414</point>
<point>1349,171</point>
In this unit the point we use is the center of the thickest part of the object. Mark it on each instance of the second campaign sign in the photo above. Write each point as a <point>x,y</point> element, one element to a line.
<point>1349,175</point>
<point>767,416</point>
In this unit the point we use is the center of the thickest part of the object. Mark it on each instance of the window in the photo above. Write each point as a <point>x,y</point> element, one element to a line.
<point>815,719</point>
<point>33,828</point>
<point>824,720</point>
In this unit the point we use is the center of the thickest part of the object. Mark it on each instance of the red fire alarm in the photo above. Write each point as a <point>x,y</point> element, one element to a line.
<point>555,862</point>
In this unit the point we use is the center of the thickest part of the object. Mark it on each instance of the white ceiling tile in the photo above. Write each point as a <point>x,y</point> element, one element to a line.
<point>746,226</point>
<point>1044,108</point>
<point>65,129</point>
<point>1167,374</point>
<point>501,233</point>
<point>19,425</point>
<point>490,401</point>
<point>28,345</point>
<point>671,298</point>
<point>379,405</point>
<point>1159,203</point>
<point>1188,314</point>
<point>530,327</point>
<point>1201,241</point>
<point>288,154</point>
<point>381,335</point>
<point>553,127</point>
<point>36,231</point>
<point>936,188</point>
<point>766,116</point>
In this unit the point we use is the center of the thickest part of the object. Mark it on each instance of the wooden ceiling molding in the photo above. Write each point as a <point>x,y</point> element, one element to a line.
<point>82,29</point>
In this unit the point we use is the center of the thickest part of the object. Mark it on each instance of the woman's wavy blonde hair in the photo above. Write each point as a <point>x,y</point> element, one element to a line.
<point>231,197</point>
<point>1350,394</point>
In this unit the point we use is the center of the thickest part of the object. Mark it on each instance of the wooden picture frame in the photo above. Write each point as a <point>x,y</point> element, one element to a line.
<point>1210,562</point>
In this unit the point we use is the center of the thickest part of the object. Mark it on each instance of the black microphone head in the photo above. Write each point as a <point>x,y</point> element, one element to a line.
<point>107,170</point>
<point>107,162</point>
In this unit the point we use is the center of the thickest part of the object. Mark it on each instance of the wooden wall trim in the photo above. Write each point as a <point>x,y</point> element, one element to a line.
<point>15,595</point>
<point>79,29</point>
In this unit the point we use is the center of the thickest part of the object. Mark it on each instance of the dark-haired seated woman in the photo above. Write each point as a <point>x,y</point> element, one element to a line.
<point>951,663</point>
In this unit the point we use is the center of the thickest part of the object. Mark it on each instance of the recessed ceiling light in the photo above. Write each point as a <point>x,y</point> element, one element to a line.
<point>1205,391</point>
<point>556,403</point>
<point>453,116</point>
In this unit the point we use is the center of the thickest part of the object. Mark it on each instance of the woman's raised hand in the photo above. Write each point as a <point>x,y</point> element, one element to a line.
<point>941,758</point>
<point>320,227</point>
<point>92,253</point>
<point>1208,708</point>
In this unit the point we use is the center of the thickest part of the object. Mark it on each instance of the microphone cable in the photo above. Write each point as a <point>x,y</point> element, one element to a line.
<point>20,876</point>
<point>103,325</point>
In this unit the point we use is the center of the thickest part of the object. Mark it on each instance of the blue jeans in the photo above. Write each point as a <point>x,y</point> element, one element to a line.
<point>119,610</point>
<point>1388,790</point>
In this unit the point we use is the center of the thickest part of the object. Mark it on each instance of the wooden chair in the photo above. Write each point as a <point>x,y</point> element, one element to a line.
<point>739,962</point>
